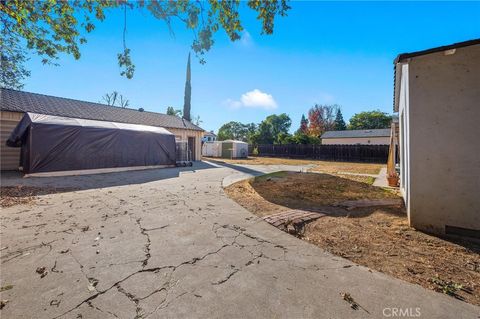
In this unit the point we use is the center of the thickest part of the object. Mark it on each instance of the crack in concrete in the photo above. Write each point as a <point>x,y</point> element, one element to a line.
<point>147,245</point>
<point>157,228</point>
<point>227,241</point>
<point>93,282</point>
<point>20,252</point>
<point>164,305</point>
<point>155,269</point>
<point>224,280</point>
<point>135,300</point>
<point>258,255</point>
<point>54,268</point>
<point>91,305</point>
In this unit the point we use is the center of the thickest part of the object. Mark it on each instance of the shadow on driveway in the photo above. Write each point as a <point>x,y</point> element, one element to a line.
<point>241,169</point>
<point>55,184</point>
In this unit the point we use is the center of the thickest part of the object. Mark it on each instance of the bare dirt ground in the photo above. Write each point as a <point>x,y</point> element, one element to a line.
<point>320,166</point>
<point>18,195</point>
<point>378,238</point>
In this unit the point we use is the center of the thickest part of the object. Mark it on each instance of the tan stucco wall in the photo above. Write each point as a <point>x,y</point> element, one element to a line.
<point>9,156</point>
<point>357,140</point>
<point>184,134</point>
<point>444,131</point>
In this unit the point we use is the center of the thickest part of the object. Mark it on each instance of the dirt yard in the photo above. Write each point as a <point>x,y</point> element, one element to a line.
<point>17,195</point>
<point>378,238</point>
<point>320,166</point>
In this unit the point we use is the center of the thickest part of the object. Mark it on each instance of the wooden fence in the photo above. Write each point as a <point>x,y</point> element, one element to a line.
<point>345,153</point>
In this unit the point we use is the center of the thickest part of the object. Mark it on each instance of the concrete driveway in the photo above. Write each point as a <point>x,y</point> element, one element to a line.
<point>169,244</point>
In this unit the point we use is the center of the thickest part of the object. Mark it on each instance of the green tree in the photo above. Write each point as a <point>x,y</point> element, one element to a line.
<point>12,60</point>
<point>303,125</point>
<point>251,129</point>
<point>272,130</point>
<point>236,131</point>
<point>339,122</point>
<point>370,120</point>
<point>284,138</point>
<point>300,138</point>
<point>173,111</point>
<point>49,28</point>
<point>321,118</point>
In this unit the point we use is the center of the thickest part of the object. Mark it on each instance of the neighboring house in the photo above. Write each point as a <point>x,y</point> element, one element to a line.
<point>357,137</point>
<point>13,105</point>
<point>209,137</point>
<point>437,95</point>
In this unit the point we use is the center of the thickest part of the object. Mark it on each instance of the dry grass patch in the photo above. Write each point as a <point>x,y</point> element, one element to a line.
<point>321,166</point>
<point>382,240</point>
<point>307,190</point>
<point>335,167</point>
<point>378,238</point>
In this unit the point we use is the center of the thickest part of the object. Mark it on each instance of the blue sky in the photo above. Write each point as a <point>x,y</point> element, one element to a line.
<point>322,52</point>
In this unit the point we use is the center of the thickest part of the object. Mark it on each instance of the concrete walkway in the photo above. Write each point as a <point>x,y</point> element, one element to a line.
<point>168,243</point>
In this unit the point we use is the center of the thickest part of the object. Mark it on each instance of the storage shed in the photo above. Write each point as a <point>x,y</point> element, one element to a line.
<point>212,149</point>
<point>225,149</point>
<point>53,143</point>
<point>234,149</point>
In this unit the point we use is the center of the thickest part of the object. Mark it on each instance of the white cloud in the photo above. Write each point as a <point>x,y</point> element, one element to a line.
<point>253,99</point>
<point>257,98</point>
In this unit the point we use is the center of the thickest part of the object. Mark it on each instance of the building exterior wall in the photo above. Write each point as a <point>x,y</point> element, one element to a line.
<point>357,140</point>
<point>9,156</point>
<point>404,137</point>
<point>183,135</point>
<point>443,113</point>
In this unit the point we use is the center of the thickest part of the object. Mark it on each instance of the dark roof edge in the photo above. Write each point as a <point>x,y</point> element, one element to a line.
<point>404,56</point>
<point>67,98</point>
<point>104,105</point>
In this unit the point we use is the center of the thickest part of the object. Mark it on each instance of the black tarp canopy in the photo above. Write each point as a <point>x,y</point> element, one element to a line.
<point>52,143</point>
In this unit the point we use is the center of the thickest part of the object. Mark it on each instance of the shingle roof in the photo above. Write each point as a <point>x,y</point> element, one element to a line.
<point>357,133</point>
<point>20,101</point>
<point>209,134</point>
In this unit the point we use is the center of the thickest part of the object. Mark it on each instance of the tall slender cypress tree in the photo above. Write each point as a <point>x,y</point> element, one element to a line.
<point>339,122</point>
<point>188,94</point>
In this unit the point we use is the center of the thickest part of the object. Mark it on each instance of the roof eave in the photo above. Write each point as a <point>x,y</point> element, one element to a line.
<point>405,57</point>
<point>396,85</point>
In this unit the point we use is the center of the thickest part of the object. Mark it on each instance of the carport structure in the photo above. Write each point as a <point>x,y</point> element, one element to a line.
<point>53,143</point>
